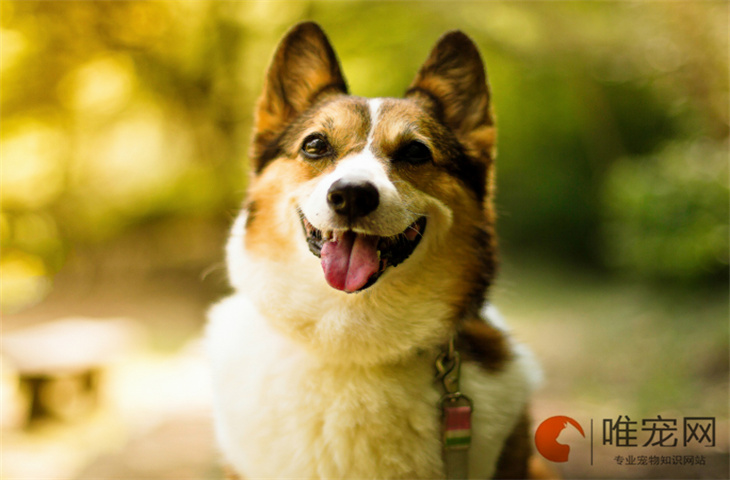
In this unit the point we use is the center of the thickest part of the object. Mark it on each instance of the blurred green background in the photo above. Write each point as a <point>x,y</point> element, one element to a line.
<point>124,135</point>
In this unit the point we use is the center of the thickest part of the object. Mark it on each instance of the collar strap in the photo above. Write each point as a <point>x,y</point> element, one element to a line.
<point>456,409</point>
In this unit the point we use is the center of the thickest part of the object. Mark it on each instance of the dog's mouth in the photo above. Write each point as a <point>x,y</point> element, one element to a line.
<point>354,261</point>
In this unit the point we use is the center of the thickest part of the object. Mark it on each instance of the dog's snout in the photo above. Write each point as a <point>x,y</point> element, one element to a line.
<point>353,199</point>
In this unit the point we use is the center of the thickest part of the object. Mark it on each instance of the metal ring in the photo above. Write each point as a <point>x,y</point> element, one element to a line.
<point>453,397</point>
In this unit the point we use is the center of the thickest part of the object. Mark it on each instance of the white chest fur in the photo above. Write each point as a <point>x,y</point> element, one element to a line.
<point>282,412</point>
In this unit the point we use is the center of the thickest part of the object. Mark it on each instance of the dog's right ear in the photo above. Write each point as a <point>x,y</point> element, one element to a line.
<point>452,85</point>
<point>304,69</point>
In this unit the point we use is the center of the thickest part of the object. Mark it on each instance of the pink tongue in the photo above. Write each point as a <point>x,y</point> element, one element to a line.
<point>349,262</point>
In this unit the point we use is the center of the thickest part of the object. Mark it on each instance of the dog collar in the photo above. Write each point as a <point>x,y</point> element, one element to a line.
<point>456,409</point>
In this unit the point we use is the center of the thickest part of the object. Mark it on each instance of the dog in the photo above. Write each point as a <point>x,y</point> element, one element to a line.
<point>358,342</point>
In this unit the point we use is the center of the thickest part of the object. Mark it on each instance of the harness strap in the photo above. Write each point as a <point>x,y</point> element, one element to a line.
<point>456,464</point>
<point>456,409</point>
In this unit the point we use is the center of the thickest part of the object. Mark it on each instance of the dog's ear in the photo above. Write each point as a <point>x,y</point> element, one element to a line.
<point>452,85</point>
<point>303,70</point>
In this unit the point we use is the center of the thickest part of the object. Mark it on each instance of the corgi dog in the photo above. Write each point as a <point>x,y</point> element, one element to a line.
<point>360,266</point>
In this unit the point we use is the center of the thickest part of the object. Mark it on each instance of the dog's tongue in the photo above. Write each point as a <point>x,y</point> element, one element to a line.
<point>350,260</point>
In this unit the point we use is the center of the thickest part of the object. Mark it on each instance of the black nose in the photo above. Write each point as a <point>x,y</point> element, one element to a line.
<point>353,199</point>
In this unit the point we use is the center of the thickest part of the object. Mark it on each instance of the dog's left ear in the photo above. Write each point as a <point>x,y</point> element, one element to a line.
<point>304,69</point>
<point>452,85</point>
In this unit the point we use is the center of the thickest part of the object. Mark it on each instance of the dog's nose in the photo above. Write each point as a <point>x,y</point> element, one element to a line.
<point>353,199</point>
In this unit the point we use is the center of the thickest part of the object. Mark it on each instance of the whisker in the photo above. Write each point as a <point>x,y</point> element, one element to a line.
<point>416,214</point>
<point>410,227</point>
<point>216,267</point>
<point>319,169</point>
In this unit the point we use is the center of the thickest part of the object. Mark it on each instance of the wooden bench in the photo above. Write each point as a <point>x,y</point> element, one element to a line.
<point>59,363</point>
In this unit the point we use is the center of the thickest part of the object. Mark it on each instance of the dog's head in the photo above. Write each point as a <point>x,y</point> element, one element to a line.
<point>387,197</point>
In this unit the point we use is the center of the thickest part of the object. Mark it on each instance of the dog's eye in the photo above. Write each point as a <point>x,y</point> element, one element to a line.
<point>315,146</point>
<point>414,152</point>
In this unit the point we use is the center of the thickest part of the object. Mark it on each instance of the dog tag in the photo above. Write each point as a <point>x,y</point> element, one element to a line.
<point>457,426</point>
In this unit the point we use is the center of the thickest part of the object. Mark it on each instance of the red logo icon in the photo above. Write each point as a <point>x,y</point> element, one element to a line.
<point>546,438</point>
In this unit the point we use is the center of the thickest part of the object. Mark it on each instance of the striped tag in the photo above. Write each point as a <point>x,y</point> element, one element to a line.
<point>457,427</point>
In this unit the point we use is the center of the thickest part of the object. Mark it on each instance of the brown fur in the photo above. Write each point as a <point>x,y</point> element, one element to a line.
<point>514,460</point>
<point>345,121</point>
<point>447,107</point>
<point>454,77</point>
<point>518,459</point>
<point>452,85</point>
<point>303,70</point>
<point>263,235</point>
<point>481,343</point>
